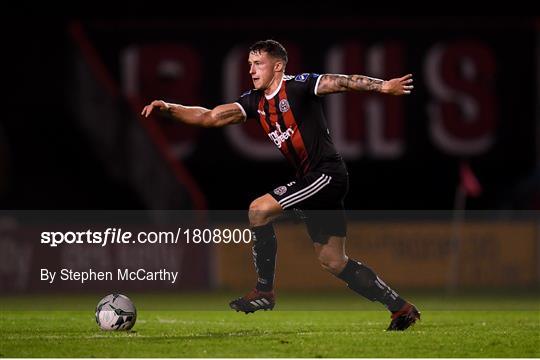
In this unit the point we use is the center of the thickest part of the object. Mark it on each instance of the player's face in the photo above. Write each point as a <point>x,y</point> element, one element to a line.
<point>261,69</point>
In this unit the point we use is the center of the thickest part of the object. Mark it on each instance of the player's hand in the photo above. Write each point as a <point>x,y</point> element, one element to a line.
<point>398,86</point>
<point>158,105</point>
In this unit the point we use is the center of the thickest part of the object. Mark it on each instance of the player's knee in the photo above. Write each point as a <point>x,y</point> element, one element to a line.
<point>334,265</point>
<point>259,213</point>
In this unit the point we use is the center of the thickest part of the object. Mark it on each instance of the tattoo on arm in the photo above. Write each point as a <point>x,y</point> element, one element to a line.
<point>223,115</point>
<point>359,82</point>
<point>333,83</point>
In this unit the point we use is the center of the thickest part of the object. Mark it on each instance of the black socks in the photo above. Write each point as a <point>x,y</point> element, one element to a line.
<point>264,255</point>
<point>361,279</point>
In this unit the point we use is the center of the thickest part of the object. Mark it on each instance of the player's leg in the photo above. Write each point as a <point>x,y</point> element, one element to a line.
<point>262,211</point>
<point>331,255</point>
<point>359,277</point>
<point>364,281</point>
<point>328,230</point>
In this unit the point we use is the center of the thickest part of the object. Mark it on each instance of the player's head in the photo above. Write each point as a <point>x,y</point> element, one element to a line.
<point>267,59</point>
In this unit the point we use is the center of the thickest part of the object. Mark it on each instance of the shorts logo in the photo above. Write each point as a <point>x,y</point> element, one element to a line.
<point>284,106</point>
<point>280,190</point>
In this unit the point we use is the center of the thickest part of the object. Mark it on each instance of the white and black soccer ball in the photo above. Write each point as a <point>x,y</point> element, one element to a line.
<point>116,312</point>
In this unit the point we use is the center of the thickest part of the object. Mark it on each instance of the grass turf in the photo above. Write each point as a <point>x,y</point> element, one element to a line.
<point>191,325</point>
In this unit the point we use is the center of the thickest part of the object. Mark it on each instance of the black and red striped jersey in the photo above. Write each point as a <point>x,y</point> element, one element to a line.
<point>293,119</point>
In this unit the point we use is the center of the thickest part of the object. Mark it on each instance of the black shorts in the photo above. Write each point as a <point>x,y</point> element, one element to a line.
<point>317,198</point>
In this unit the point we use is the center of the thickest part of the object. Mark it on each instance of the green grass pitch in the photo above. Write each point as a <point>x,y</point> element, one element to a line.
<point>302,325</point>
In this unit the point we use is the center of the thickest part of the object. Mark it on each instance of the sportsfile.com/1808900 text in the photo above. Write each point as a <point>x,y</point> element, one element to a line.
<point>118,236</point>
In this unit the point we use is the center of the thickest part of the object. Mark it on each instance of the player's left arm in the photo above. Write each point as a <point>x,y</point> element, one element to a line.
<point>335,83</point>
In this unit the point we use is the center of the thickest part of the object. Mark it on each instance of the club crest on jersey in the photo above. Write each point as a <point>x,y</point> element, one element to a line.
<point>284,105</point>
<point>280,190</point>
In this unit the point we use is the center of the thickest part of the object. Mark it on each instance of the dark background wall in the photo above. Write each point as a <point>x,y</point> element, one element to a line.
<point>70,136</point>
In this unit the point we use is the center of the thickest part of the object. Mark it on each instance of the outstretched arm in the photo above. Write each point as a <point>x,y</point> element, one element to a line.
<point>219,116</point>
<point>334,83</point>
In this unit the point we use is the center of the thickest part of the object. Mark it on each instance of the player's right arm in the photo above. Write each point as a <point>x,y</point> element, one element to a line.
<point>219,116</point>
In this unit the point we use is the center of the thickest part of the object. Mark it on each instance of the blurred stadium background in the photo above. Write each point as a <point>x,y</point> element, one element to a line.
<point>468,138</point>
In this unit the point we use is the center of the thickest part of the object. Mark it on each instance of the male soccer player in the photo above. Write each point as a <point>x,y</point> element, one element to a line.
<point>289,110</point>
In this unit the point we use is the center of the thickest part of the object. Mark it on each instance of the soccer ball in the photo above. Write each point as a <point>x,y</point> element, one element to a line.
<point>116,312</point>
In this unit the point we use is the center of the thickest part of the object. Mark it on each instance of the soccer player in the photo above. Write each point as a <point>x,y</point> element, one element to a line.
<point>289,110</point>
